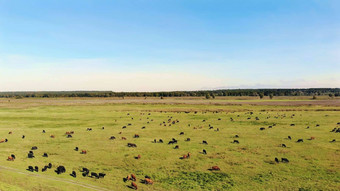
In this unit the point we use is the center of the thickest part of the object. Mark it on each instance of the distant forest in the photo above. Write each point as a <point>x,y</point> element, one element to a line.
<point>331,92</point>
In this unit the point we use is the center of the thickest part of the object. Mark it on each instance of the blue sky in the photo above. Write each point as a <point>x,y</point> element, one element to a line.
<point>160,45</point>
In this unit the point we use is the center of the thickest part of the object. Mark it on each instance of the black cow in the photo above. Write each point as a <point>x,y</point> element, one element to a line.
<point>23,136</point>
<point>49,165</point>
<point>30,168</point>
<point>160,140</point>
<point>101,175</point>
<point>30,155</point>
<point>43,131</point>
<point>188,139</point>
<point>34,148</point>
<point>284,160</point>
<point>299,141</point>
<point>290,138</point>
<point>112,137</point>
<point>60,169</point>
<point>262,128</point>
<point>181,133</point>
<point>93,174</point>
<point>13,156</point>
<point>283,145</point>
<point>73,174</point>
<point>44,169</point>
<point>69,136</point>
<point>36,168</point>
<point>204,151</point>
<point>45,155</point>
<point>276,160</point>
<point>131,145</point>
<point>76,149</point>
<point>204,142</point>
<point>236,141</point>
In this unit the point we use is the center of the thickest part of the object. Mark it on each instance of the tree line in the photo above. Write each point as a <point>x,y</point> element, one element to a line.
<point>331,92</point>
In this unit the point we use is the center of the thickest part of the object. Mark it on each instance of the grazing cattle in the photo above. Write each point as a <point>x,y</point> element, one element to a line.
<point>176,147</point>
<point>262,128</point>
<point>143,127</point>
<point>332,140</point>
<point>204,142</point>
<point>93,174</point>
<point>123,138</point>
<point>45,155</point>
<point>44,169</point>
<point>270,126</point>
<point>36,168</point>
<point>123,127</point>
<point>101,175</point>
<point>12,155</point>
<point>34,148</point>
<point>23,137</point>
<point>299,141</point>
<point>30,168</point>
<point>44,131</point>
<point>148,181</point>
<point>236,136</point>
<point>172,142</point>
<point>188,139</point>
<point>134,185</point>
<point>312,138</point>
<point>146,176</point>
<point>69,136</point>
<point>283,145</point>
<point>276,160</point>
<point>74,174</point>
<point>215,168</point>
<point>30,155</point>
<point>2,140</point>
<point>10,132</point>
<point>133,177</point>
<point>83,152</point>
<point>289,138</point>
<point>292,124</point>
<point>60,169</point>
<point>160,141</point>
<point>236,141</point>
<point>6,140</point>
<point>52,136</point>
<point>76,149</point>
<point>181,133</point>
<point>138,157</point>
<point>317,125</point>
<point>284,160</point>
<point>10,158</point>
<point>204,151</point>
<point>49,165</point>
<point>136,136</point>
<point>131,145</point>
<point>112,137</point>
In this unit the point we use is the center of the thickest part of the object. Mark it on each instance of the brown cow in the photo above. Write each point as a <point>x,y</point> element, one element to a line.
<point>10,132</point>
<point>52,136</point>
<point>148,181</point>
<point>134,185</point>
<point>2,140</point>
<point>83,152</point>
<point>312,138</point>
<point>138,157</point>
<point>133,177</point>
<point>10,158</point>
<point>188,155</point>
<point>215,168</point>
<point>123,138</point>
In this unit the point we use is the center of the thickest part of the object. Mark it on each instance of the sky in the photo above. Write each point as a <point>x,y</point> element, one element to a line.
<point>168,45</point>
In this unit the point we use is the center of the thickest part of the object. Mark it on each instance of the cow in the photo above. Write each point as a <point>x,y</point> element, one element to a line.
<point>204,142</point>
<point>83,152</point>
<point>112,137</point>
<point>6,140</point>
<point>284,160</point>
<point>332,141</point>
<point>290,138</point>
<point>136,136</point>
<point>30,168</point>
<point>160,141</point>
<point>2,140</point>
<point>262,128</point>
<point>215,168</point>
<point>312,138</point>
<point>73,174</point>
<point>10,158</point>
<point>52,136</point>
<point>101,175</point>
<point>204,151</point>
<point>60,169</point>
<point>34,148</point>
<point>292,125</point>
<point>176,147</point>
<point>188,139</point>
<point>134,185</point>
<point>138,157</point>
<point>148,181</point>
<point>36,168</point>
<point>30,155</point>
<point>49,165</point>
<point>236,136</point>
<point>93,174</point>
<point>69,136</point>
<point>299,141</point>
<point>44,169</point>
<point>131,145</point>
<point>45,155</point>
<point>76,149</point>
<point>23,137</point>
<point>123,138</point>
<point>10,132</point>
<point>276,160</point>
<point>43,131</point>
<point>181,133</point>
<point>133,177</point>
<point>236,141</point>
<point>143,127</point>
<point>283,145</point>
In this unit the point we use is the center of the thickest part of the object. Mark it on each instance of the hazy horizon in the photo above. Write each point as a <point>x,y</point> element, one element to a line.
<point>147,46</point>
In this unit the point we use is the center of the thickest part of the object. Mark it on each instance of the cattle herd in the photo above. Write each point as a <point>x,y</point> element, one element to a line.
<point>175,141</point>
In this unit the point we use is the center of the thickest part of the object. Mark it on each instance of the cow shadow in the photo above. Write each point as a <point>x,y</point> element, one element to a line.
<point>131,187</point>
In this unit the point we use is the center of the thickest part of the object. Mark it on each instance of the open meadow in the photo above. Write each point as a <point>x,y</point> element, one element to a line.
<point>231,129</point>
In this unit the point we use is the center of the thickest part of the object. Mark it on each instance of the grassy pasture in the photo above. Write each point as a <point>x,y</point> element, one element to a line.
<point>314,164</point>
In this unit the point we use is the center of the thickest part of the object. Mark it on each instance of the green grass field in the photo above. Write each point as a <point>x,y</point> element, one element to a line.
<point>249,165</point>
